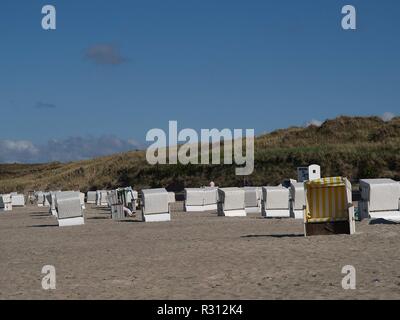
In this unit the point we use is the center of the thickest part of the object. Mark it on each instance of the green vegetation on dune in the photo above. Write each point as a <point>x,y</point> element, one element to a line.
<point>356,147</point>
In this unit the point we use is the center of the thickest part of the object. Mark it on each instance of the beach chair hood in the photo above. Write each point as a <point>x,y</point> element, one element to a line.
<point>328,199</point>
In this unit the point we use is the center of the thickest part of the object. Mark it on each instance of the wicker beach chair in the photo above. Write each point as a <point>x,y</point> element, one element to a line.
<point>329,208</point>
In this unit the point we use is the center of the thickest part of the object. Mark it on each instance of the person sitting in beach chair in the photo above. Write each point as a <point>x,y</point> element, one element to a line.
<point>329,208</point>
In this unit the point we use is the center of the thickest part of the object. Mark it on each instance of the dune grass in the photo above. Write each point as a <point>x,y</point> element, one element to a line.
<point>355,147</point>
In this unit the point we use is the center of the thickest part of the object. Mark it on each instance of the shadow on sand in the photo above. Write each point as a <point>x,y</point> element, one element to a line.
<point>273,236</point>
<point>43,226</point>
<point>382,221</point>
<point>40,215</point>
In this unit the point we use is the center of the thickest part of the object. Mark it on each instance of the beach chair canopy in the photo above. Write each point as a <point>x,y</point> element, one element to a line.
<point>275,197</point>
<point>113,198</point>
<point>297,195</point>
<point>126,196</point>
<point>155,201</point>
<point>171,197</point>
<point>381,194</point>
<point>328,200</point>
<point>4,200</point>
<point>232,198</point>
<point>68,204</point>
<point>210,195</point>
<point>91,196</point>
<point>252,196</point>
<point>52,199</point>
<point>201,196</point>
<point>194,196</point>
<point>102,197</point>
<point>40,197</point>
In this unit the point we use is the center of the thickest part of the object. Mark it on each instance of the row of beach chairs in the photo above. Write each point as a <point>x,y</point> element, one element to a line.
<point>8,201</point>
<point>324,204</point>
<point>271,201</point>
<point>319,201</point>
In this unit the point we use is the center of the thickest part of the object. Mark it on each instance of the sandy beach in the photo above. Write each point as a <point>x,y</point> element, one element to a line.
<point>195,256</point>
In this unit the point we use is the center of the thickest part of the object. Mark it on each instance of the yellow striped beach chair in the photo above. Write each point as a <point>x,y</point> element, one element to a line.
<point>329,208</point>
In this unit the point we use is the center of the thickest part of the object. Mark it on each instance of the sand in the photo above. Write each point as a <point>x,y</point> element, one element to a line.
<point>195,256</point>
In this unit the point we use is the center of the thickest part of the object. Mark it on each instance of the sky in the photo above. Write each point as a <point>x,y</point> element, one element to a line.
<point>113,70</point>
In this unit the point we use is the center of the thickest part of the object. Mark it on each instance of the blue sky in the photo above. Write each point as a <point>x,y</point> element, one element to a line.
<point>223,64</point>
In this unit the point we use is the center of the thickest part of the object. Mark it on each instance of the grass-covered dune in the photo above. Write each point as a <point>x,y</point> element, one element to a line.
<point>356,147</point>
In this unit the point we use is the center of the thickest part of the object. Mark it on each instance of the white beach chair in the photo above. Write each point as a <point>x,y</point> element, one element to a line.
<point>194,200</point>
<point>40,198</point>
<point>69,209</point>
<point>171,197</point>
<point>128,197</point>
<point>122,203</point>
<point>136,198</point>
<point>116,206</point>
<point>18,200</point>
<point>5,202</point>
<point>297,200</point>
<point>46,202</point>
<point>155,205</point>
<point>379,199</point>
<point>201,199</point>
<point>52,201</point>
<point>275,202</point>
<point>82,199</point>
<point>210,199</point>
<point>252,199</point>
<point>91,197</point>
<point>231,202</point>
<point>102,198</point>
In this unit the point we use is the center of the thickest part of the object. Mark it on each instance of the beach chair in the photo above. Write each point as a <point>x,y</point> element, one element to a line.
<point>5,202</point>
<point>231,202</point>
<point>122,203</point>
<point>82,199</point>
<point>200,199</point>
<point>102,198</point>
<point>210,199</point>
<point>91,197</point>
<point>69,209</point>
<point>46,202</point>
<point>252,199</point>
<point>52,201</point>
<point>116,205</point>
<point>155,205</point>
<point>379,199</point>
<point>275,202</point>
<point>329,208</point>
<point>128,197</point>
<point>17,200</point>
<point>40,198</point>
<point>136,199</point>
<point>171,197</point>
<point>297,200</point>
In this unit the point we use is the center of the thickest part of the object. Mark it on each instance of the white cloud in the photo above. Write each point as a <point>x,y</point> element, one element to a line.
<point>387,116</point>
<point>70,149</point>
<point>17,150</point>
<point>313,122</point>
